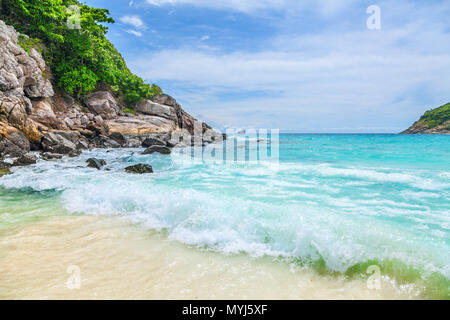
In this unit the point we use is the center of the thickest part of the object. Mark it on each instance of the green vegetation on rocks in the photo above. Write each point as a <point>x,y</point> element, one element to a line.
<point>436,121</point>
<point>437,117</point>
<point>80,59</point>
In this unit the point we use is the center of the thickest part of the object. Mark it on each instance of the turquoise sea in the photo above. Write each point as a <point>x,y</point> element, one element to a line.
<point>334,203</point>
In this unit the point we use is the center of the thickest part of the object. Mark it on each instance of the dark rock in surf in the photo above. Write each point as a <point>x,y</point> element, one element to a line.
<point>139,169</point>
<point>149,142</point>
<point>96,163</point>
<point>24,160</point>
<point>157,149</point>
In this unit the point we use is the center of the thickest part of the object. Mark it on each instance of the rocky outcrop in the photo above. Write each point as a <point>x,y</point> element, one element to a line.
<point>151,108</point>
<point>36,117</point>
<point>184,120</point>
<point>435,121</point>
<point>422,128</point>
<point>21,73</point>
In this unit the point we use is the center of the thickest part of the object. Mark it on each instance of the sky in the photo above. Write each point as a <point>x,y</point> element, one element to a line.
<point>308,66</point>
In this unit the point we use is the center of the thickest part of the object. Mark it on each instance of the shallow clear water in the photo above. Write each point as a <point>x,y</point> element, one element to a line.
<point>338,203</point>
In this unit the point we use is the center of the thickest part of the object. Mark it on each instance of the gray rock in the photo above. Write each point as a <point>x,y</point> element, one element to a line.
<point>98,119</point>
<point>118,137</point>
<point>14,145</point>
<point>165,100</point>
<point>102,103</point>
<point>96,163</point>
<point>84,120</point>
<point>139,169</point>
<point>157,149</point>
<point>59,142</point>
<point>151,108</point>
<point>70,123</point>
<point>153,142</point>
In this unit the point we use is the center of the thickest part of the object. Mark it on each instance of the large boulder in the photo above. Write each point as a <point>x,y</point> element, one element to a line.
<point>62,142</point>
<point>43,113</point>
<point>183,119</point>
<point>151,108</point>
<point>13,144</point>
<point>102,103</point>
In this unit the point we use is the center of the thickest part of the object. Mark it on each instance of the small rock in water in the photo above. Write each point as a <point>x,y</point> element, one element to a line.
<point>159,149</point>
<point>139,168</point>
<point>96,163</point>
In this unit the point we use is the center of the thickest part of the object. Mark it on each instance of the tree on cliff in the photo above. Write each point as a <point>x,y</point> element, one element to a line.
<point>81,57</point>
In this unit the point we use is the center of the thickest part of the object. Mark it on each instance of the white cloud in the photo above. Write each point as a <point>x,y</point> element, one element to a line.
<point>250,6</point>
<point>133,20</point>
<point>134,32</point>
<point>204,38</point>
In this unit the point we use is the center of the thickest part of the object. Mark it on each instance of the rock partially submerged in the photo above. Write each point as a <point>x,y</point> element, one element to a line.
<point>157,149</point>
<point>96,163</point>
<point>139,169</point>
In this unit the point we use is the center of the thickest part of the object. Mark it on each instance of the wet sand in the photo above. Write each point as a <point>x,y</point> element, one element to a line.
<point>121,261</point>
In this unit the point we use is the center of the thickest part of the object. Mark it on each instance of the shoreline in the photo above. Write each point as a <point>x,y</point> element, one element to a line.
<point>118,260</point>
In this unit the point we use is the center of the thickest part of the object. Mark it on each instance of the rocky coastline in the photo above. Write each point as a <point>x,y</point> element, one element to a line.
<point>37,120</point>
<point>434,121</point>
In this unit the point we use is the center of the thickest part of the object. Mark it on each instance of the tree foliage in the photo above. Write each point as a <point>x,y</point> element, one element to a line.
<point>81,58</point>
<point>437,117</point>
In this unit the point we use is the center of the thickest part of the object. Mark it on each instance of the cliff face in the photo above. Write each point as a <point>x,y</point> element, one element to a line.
<point>36,116</point>
<point>436,121</point>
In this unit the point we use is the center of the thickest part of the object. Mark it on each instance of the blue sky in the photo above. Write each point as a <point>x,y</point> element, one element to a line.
<point>305,66</point>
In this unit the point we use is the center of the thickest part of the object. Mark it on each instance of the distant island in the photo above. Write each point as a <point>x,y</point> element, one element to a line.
<point>435,121</point>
